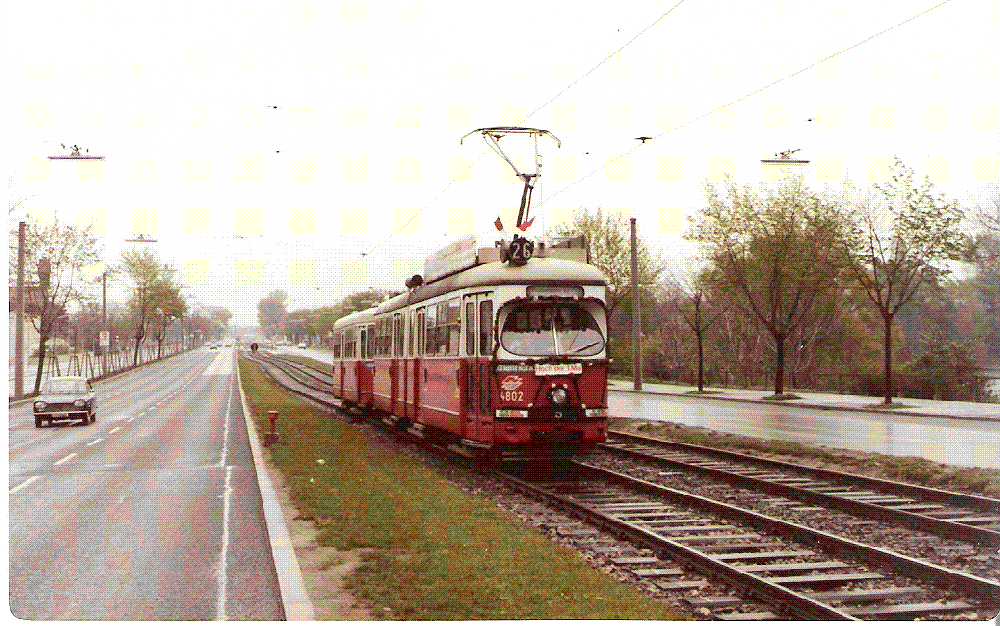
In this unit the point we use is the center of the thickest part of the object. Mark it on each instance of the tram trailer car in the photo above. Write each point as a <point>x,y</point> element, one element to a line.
<point>486,357</point>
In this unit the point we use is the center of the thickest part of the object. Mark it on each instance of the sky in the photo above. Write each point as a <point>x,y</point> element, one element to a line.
<point>315,147</point>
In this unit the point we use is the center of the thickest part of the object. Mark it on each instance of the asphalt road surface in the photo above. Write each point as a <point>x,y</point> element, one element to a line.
<point>961,442</point>
<point>151,513</point>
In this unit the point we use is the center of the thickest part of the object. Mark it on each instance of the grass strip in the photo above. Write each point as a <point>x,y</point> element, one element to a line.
<point>975,480</point>
<point>438,552</point>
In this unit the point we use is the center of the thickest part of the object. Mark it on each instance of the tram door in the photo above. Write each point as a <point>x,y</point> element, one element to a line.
<point>477,316</point>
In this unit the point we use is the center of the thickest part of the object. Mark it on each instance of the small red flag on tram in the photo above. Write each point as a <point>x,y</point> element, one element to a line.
<point>525,225</point>
<point>498,223</point>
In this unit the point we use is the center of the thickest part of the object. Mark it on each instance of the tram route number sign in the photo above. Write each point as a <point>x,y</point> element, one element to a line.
<point>558,369</point>
<point>520,250</point>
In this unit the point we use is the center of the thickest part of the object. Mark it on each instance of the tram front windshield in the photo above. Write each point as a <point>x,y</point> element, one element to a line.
<point>545,329</point>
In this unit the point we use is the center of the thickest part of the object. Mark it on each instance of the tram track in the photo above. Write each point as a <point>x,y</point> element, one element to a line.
<point>721,560</point>
<point>965,517</point>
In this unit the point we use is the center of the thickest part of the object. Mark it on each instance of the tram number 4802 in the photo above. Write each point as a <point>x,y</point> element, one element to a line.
<point>511,396</point>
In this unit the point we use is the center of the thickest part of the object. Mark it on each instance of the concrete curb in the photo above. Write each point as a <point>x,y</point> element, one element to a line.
<point>294,599</point>
<point>823,407</point>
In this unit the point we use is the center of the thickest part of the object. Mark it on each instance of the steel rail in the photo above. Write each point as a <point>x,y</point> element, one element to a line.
<point>982,588</point>
<point>979,503</point>
<point>800,605</point>
<point>943,527</point>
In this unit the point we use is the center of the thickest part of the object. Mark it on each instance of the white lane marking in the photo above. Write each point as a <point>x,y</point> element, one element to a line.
<point>65,458</point>
<point>131,419</point>
<point>220,601</point>
<point>95,441</point>
<point>225,428</point>
<point>114,430</point>
<point>23,485</point>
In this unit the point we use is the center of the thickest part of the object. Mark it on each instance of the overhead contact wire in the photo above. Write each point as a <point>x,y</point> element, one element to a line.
<point>749,95</point>
<point>525,118</point>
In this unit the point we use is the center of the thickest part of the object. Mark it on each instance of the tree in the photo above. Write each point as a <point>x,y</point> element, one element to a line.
<point>61,253</point>
<point>698,310</point>
<point>143,268</point>
<point>776,251</point>
<point>609,239</point>
<point>896,243</point>
<point>609,242</point>
<point>270,311</point>
<point>167,305</point>
<point>989,214</point>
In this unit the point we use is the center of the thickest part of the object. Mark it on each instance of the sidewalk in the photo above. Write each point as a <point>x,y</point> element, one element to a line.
<point>914,406</point>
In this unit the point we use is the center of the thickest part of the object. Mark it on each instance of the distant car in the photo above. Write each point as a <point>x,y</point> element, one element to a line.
<point>303,345</point>
<point>214,346</point>
<point>65,398</point>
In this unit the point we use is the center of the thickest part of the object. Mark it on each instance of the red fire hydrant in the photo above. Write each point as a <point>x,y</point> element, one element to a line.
<point>271,436</point>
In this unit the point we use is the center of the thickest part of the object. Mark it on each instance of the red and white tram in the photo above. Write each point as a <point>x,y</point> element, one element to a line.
<point>487,357</point>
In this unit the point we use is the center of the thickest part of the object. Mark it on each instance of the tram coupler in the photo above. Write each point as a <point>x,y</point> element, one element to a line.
<point>271,436</point>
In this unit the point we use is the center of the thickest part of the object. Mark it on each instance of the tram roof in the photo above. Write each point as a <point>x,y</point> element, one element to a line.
<point>548,271</point>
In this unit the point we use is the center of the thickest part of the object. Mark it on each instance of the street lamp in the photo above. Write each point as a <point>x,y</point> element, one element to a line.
<point>785,158</point>
<point>75,155</point>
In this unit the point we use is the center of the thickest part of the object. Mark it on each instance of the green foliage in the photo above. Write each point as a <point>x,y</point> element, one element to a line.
<point>777,250</point>
<point>270,311</point>
<point>68,252</point>
<point>945,370</point>
<point>609,239</point>
<point>898,243</point>
<point>302,323</point>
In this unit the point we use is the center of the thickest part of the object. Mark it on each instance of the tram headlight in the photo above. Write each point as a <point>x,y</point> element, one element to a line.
<point>558,396</point>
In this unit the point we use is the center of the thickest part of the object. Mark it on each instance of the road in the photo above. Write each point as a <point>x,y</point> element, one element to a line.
<point>151,513</point>
<point>960,442</point>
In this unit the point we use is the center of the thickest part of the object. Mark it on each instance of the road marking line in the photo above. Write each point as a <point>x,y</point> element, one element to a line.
<point>130,419</point>
<point>95,441</point>
<point>23,485</point>
<point>65,458</point>
<point>114,430</point>
<point>220,602</point>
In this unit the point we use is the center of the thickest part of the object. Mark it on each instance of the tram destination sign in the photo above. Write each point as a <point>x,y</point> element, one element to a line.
<point>558,369</point>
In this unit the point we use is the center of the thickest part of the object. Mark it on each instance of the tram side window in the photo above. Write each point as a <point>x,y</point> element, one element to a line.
<point>349,343</point>
<point>441,343</point>
<point>336,344</point>
<point>486,327</point>
<point>421,326</point>
<point>470,328</point>
<point>384,336</point>
<point>397,329</point>
<point>454,332</point>
<point>430,336</point>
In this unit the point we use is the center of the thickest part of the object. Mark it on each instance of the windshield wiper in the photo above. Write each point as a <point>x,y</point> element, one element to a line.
<point>589,345</point>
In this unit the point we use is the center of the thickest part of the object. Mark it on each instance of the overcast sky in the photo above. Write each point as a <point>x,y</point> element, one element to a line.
<point>362,153</point>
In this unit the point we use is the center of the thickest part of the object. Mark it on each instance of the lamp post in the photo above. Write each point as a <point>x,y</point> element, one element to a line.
<point>19,315</point>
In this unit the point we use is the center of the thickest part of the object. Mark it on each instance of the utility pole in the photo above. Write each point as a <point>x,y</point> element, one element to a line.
<point>19,316</point>
<point>636,347</point>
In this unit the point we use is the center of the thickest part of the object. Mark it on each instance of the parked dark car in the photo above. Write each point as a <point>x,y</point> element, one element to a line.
<point>65,398</point>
